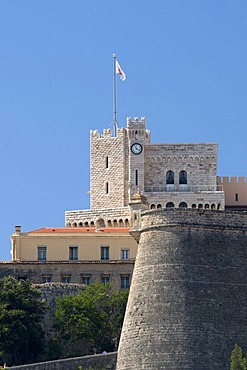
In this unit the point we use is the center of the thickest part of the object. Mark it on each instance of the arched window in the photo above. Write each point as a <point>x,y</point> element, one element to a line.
<point>152,206</point>
<point>212,206</point>
<point>126,222</point>
<point>193,206</point>
<point>109,224</point>
<point>170,205</point>
<point>86,224</point>
<point>159,206</point>
<point>183,177</point>
<point>92,224</point>
<point>121,224</point>
<point>101,223</point>
<point>115,224</point>
<point>170,178</point>
<point>182,205</point>
<point>206,206</point>
<point>80,224</point>
<point>200,206</point>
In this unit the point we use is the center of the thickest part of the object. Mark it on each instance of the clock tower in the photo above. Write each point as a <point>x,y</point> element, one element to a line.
<point>138,137</point>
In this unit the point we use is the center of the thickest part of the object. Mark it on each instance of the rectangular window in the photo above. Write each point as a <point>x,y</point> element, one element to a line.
<point>46,279</point>
<point>66,278</point>
<point>42,253</point>
<point>125,281</point>
<point>136,179</point>
<point>73,253</point>
<point>125,254</point>
<point>86,279</point>
<point>105,279</point>
<point>105,255</point>
<point>106,162</point>
<point>236,197</point>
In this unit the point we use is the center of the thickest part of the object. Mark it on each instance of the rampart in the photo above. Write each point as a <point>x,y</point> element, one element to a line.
<point>95,362</point>
<point>188,299</point>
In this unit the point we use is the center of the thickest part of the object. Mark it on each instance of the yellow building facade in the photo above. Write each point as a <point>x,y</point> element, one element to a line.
<point>73,255</point>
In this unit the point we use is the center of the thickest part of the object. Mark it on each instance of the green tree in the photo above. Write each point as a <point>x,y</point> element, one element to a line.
<point>238,361</point>
<point>21,315</point>
<point>93,317</point>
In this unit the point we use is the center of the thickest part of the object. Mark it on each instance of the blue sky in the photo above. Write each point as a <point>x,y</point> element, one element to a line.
<point>186,67</point>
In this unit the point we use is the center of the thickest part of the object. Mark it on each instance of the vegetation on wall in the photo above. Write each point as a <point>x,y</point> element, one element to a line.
<point>238,359</point>
<point>92,318</point>
<point>21,315</point>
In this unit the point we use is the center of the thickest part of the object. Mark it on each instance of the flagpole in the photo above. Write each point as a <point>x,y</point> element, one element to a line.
<point>114,96</point>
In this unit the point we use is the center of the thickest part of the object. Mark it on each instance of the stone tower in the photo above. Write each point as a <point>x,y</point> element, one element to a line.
<point>188,299</point>
<point>117,164</point>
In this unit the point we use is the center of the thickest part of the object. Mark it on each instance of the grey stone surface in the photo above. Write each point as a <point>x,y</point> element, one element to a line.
<point>188,299</point>
<point>95,362</point>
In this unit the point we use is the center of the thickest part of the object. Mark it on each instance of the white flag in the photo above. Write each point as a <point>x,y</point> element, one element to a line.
<point>120,71</point>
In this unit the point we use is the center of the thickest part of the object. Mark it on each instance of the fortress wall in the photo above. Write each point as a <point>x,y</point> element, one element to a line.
<point>188,299</point>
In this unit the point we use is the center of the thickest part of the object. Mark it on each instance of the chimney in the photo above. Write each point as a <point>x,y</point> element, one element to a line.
<point>17,229</point>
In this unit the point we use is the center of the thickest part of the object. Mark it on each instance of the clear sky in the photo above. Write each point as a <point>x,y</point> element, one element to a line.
<point>186,68</point>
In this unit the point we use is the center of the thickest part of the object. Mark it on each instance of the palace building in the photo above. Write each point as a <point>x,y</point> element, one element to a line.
<point>95,244</point>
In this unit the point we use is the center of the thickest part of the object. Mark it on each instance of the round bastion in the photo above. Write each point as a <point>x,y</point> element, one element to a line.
<point>188,298</point>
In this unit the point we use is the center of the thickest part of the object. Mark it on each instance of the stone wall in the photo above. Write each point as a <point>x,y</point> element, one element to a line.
<point>95,362</point>
<point>35,271</point>
<point>188,299</point>
<point>108,169</point>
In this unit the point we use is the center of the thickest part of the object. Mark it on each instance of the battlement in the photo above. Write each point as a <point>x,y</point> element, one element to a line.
<point>107,133</point>
<point>136,122</point>
<point>232,180</point>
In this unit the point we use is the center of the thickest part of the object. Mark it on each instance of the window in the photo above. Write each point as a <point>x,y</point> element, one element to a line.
<point>182,205</point>
<point>86,279</point>
<point>170,205</point>
<point>46,279</point>
<point>183,177</point>
<point>107,188</point>
<point>169,177</point>
<point>136,178</point>
<point>42,253</point>
<point>236,197</point>
<point>73,253</point>
<point>66,278</point>
<point>105,279</point>
<point>106,162</point>
<point>105,253</point>
<point>125,254</point>
<point>125,281</point>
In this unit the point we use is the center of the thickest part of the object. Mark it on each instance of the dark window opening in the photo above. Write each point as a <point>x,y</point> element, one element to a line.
<point>182,177</point>
<point>170,205</point>
<point>73,253</point>
<point>170,178</point>
<point>105,253</point>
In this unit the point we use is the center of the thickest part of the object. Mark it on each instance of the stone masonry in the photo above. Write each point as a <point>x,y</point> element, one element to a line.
<point>169,175</point>
<point>188,298</point>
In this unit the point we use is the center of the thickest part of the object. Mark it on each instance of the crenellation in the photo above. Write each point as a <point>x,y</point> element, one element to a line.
<point>117,172</point>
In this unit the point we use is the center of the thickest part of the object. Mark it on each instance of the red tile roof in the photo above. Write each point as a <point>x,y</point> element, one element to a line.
<point>80,230</point>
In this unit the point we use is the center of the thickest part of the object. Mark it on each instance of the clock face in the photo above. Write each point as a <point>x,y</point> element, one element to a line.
<point>136,148</point>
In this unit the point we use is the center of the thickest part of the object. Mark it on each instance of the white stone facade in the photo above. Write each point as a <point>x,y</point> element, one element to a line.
<point>169,175</point>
